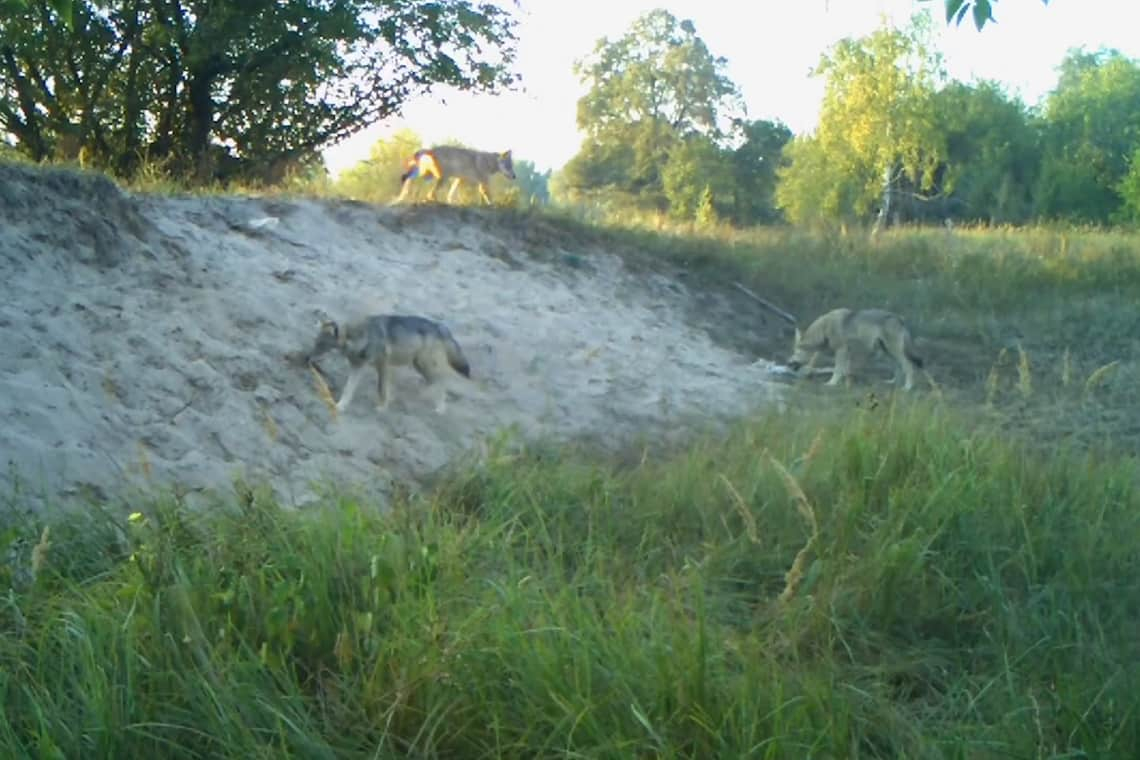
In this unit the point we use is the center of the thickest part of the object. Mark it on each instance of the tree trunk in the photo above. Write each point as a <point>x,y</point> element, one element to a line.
<point>29,132</point>
<point>201,125</point>
<point>164,140</point>
<point>128,159</point>
<point>888,192</point>
<point>883,219</point>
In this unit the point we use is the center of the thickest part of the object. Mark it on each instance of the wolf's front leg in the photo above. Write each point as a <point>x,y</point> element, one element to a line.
<point>383,376</point>
<point>454,187</point>
<point>407,186</point>
<point>349,388</point>
<point>840,371</point>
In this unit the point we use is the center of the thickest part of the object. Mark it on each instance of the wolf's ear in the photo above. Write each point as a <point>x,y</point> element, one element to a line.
<point>330,327</point>
<point>505,154</point>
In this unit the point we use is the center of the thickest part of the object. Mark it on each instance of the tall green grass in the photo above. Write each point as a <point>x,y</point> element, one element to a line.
<point>1024,316</point>
<point>884,582</point>
<point>985,268</point>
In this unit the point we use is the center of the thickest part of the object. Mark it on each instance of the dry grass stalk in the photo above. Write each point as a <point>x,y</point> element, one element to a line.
<point>144,460</point>
<point>269,425</point>
<point>323,391</point>
<point>40,552</point>
<point>993,378</point>
<point>742,508</point>
<point>1098,375</point>
<point>111,388</point>
<point>935,388</point>
<point>795,575</point>
<point>1024,374</point>
<point>813,449</point>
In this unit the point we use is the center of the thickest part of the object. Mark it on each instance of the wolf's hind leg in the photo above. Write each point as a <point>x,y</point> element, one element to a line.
<point>383,381</point>
<point>909,370</point>
<point>430,368</point>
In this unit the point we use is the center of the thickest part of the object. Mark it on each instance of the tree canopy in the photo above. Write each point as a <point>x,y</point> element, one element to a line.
<point>1090,129</point>
<point>878,131</point>
<point>666,129</point>
<point>654,92</point>
<point>896,137</point>
<point>221,88</point>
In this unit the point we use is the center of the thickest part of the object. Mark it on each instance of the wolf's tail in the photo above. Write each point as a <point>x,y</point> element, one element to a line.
<point>456,358</point>
<point>411,167</point>
<point>417,164</point>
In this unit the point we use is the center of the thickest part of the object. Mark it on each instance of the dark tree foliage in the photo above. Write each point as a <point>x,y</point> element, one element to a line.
<point>218,89</point>
<point>658,103</point>
<point>967,152</point>
<point>1090,128</point>
<point>754,166</point>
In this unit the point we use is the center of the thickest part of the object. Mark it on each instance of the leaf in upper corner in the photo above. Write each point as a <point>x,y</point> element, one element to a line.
<point>983,12</point>
<point>955,8</point>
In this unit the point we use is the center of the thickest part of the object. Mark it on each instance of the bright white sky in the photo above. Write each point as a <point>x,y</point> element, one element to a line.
<point>770,46</point>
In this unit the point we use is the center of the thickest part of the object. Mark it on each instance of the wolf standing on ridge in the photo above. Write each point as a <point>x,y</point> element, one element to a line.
<point>460,164</point>
<point>384,340</point>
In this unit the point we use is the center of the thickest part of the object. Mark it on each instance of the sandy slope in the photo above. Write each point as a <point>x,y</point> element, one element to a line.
<point>144,340</point>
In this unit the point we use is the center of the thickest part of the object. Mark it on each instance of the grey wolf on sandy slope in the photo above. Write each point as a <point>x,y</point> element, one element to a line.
<point>442,161</point>
<point>840,329</point>
<point>386,340</point>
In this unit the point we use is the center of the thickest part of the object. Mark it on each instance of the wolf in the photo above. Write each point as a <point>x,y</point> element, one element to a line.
<point>874,329</point>
<point>442,161</point>
<point>839,329</point>
<point>387,340</point>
